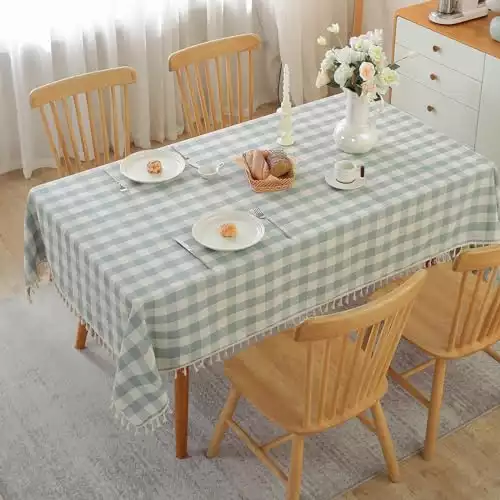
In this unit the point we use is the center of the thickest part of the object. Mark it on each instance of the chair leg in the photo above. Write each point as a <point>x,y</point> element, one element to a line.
<point>220,428</point>
<point>295,474</point>
<point>386,443</point>
<point>434,409</point>
<point>81,336</point>
<point>495,355</point>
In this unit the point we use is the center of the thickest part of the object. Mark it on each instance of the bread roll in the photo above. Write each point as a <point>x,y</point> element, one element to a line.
<point>228,230</point>
<point>279,163</point>
<point>154,167</point>
<point>257,164</point>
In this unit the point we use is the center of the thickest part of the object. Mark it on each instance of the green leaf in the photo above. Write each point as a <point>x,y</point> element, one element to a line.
<point>394,66</point>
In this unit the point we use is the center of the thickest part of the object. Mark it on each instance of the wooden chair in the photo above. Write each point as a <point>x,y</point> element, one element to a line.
<point>357,25</point>
<point>69,141</point>
<point>319,375</point>
<point>74,103</point>
<point>456,315</point>
<point>205,80</point>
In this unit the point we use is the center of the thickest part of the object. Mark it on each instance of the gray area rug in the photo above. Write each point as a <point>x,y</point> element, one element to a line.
<point>58,439</point>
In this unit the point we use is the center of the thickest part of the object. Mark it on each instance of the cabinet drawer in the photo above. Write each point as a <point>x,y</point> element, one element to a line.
<point>442,113</point>
<point>441,49</point>
<point>437,77</point>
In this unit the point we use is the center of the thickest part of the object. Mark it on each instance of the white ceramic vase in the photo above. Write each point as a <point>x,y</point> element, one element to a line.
<point>356,133</point>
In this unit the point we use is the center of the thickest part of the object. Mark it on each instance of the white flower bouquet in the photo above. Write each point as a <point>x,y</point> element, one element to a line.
<point>361,66</point>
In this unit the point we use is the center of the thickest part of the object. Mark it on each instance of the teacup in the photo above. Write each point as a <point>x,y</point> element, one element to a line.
<point>210,171</point>
<point>346,172</point>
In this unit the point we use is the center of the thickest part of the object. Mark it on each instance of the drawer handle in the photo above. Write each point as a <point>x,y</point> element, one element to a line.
<point>430,108</point>
<point>436,48</point>
<point>433,76</point>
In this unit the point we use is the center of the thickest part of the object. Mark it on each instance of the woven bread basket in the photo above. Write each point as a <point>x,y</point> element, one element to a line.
<point>270,184</point>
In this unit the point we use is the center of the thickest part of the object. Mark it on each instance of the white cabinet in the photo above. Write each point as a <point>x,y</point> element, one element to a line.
<point>451,86</point>
<point>440,48</point>
<point>440,112</point>
<point>488,129</point>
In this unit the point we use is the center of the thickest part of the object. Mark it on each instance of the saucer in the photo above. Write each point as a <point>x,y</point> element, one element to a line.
<point>332,181</point>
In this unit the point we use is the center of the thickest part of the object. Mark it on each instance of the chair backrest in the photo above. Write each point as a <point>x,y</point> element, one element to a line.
<point>357,24</point>
<point>78,112</point>
<point>364,340</point>
<point>476,319</point>
<point>205,80</point>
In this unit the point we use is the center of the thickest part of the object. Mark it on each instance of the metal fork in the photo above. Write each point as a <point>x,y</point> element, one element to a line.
<point>257,212</point>
<point>183,156</point>
<point>123,188</point>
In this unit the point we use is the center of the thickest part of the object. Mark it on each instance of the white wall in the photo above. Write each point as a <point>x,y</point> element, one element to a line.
<point>380,14</point>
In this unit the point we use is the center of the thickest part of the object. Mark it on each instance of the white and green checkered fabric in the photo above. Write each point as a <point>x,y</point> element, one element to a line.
<point>158,308</point>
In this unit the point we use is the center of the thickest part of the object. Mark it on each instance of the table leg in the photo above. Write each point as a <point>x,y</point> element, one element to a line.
<point>181,412</point>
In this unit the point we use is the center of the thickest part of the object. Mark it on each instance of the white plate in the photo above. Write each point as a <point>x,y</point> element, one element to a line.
<point>135,166</point>
<point>250,230</point>
<point>332,181</point>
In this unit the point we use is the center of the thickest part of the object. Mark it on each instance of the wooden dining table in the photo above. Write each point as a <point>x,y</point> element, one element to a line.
<point>115,262</point>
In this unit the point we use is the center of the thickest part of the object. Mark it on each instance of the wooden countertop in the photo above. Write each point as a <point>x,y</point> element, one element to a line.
<point>474,33</point>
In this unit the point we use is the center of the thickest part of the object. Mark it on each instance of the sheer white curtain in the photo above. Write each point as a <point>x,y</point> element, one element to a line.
<point>299,23</point>
<point>44,41</point>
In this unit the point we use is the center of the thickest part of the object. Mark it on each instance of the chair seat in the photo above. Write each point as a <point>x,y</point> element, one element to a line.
<point>430,322</point>
<point>270,375</point>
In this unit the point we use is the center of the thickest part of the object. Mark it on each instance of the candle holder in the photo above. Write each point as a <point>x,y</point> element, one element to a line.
<point>285,113</point>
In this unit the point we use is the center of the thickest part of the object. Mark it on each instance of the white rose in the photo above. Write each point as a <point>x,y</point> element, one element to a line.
<point>322,79</point>
<point>367,71</point>
<point>334,28</point>
<point>343,73</point>
<point>376,53</point>
<point>361,43</point>
<point>383,62</point>
<point>329,60</point>
<point>345,55</point>
<point>377,37</point>
<point>357,56</point>
<point>389,77</point>
<point>321,40</point>
<point>367,45</point>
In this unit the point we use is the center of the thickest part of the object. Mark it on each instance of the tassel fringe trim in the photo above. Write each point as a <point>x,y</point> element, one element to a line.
<point>146,428</point>
<point>344,301</point>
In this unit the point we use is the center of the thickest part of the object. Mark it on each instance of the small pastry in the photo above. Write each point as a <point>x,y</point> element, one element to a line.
<point>279,163</point>
<point>154,167</point>
<point>228,230</point>
<point>257,164</point>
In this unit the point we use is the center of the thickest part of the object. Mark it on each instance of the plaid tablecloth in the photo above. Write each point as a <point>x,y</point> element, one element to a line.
<point>156,307</point>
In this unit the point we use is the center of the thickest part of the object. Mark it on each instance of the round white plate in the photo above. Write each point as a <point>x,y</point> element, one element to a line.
<point>332,181</point>
<point>250,230</point>
<point>135,166</point>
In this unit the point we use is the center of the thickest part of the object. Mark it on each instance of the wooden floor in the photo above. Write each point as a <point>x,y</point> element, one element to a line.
<point>467,465</point>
